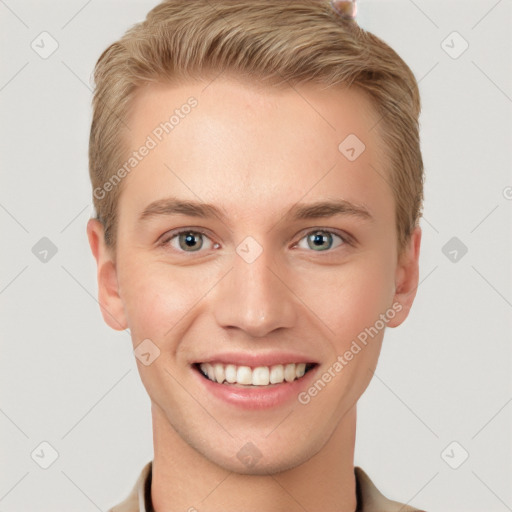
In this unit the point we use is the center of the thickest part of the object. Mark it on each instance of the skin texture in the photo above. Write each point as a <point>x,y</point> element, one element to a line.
<point>254,151</point>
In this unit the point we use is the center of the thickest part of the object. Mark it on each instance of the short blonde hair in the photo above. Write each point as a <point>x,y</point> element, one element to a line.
<point>275,41</point>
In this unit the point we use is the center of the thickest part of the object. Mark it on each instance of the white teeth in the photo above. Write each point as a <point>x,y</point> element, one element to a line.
<point>290,372</point>
<point>277,374</point>
<point>230,372</point>
<point>219,373</point>
<point>204,368</point>
<point>210,371</point>
<point>300,370</point>
<point>244,375</point>
<point>259,376</point>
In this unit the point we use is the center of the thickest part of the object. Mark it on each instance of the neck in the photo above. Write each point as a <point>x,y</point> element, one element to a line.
<point>182,479</point>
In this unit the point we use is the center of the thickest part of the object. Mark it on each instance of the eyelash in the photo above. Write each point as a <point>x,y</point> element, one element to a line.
<point>346,240</point>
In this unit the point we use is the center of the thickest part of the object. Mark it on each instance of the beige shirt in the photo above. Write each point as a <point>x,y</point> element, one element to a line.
<point>369,498</point>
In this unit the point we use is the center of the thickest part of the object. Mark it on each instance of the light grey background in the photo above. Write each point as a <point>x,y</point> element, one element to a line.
<point>444,376</point>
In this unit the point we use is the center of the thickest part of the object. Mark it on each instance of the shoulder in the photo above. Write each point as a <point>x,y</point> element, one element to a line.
<point>370,499</point>
<point>132,503</point>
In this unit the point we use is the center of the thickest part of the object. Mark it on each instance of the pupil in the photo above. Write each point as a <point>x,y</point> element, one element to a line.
<point>318,241</point>
<point>189,241</point>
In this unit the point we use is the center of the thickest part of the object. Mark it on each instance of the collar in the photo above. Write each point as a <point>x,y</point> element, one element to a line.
<point>369,498</point>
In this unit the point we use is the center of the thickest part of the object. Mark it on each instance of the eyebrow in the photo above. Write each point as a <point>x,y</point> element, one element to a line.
<point>300,211</point>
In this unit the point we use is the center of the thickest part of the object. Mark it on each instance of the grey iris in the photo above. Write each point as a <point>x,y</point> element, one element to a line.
<point>188,240</point>
<point>315,240</point>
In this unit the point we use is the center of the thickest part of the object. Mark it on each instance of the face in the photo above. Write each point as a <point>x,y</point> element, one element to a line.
<point>250,248</point>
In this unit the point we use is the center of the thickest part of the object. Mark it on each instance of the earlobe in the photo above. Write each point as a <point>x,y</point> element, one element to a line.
<point>406,279</point>
<point>108,291</point>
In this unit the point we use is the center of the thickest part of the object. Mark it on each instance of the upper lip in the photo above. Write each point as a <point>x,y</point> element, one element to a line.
<point>255,360</point>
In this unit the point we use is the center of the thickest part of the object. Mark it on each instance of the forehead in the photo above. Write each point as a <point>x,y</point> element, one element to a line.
<point>241,144</point>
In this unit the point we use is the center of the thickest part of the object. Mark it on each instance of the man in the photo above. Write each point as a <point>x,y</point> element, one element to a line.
<point>258,185</point>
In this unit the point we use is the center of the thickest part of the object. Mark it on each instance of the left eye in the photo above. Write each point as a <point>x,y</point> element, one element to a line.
<point>321,240</point>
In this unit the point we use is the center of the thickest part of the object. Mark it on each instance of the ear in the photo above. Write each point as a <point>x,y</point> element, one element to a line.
<point>406,279</point>
<point>108,291</point>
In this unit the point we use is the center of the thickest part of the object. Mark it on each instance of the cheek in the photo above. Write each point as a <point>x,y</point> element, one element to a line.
<point>349,301</point>
<point>351,298</point>
<point>156,299</point>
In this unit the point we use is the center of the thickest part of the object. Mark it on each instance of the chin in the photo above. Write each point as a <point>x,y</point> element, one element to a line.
<point>263,466</point>
<point>261,457</point>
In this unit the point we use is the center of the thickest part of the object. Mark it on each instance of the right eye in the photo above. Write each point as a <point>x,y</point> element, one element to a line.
<point>187,240</point>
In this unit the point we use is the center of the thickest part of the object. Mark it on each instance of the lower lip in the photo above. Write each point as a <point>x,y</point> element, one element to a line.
<point>257,397</point>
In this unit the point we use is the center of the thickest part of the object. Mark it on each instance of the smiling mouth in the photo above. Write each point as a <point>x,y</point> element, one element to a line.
<point>231,374</point>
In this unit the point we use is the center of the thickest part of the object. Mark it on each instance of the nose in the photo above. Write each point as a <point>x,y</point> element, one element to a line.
<point>255,297</point>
